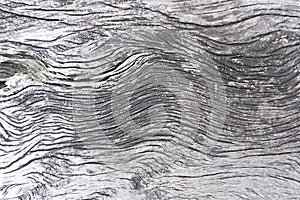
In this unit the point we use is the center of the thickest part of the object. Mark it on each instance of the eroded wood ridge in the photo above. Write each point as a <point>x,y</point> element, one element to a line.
<point>149,99</point>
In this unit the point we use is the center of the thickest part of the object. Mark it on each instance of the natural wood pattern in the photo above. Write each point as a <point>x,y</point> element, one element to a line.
<point>149,99</point>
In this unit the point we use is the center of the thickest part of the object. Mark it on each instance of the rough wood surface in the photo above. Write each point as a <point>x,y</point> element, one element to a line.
<point>148,100</point>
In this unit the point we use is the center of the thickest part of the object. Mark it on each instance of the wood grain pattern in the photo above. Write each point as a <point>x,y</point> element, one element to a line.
<point>148,100</point>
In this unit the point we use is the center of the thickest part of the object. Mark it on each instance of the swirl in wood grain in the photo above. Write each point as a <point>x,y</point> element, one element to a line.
<point>157,90</point>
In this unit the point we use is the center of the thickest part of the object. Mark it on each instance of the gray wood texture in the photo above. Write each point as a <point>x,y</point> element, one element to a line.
<point>149,100</point>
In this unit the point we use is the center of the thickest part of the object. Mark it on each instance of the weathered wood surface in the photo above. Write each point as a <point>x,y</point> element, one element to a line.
<point>149,99</point>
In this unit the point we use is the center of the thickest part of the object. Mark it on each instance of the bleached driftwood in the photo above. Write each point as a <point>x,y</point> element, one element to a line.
<point>149,99</point>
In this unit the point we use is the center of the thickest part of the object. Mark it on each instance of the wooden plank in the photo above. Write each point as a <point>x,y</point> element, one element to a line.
<point>149,99</point>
